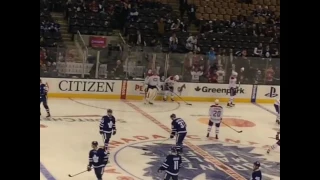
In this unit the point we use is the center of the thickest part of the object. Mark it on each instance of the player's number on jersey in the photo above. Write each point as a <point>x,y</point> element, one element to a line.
<point>216,113</point>
<point>175,165</point>
<point>95,159</point>
<point>181,124</point>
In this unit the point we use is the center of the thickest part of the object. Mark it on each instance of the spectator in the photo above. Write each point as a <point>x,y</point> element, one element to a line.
<point>212,56</point>
<point>94,6</point>
<point>192,13</point>
<point>173,42</point>
<point>266,12</point>
<point>258,77</point>
<point>118,70</point>
<point>175,26</point>
<point>110,10</point>
<point>257,12</point>
<point>191,43</point>
<point>267,52</point>
<point>196,72</point>
<point>161,25</point>
<point>134,14</point>
<point>257,52</point>
<point>275,53</point>
<point>269,75</point>
<point>221,74</point>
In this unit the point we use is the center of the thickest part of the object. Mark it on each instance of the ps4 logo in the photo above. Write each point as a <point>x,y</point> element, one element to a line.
<point>272,93</point>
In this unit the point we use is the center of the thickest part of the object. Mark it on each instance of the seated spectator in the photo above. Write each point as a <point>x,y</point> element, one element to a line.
<point>257,52</point>
<point>257,12</point>
<point>94,7</point>
<point>134,14</point>
<point>173,42</point>
<point>266,12</point>
<point>275,53</point>
<point>267,52</point>
<point>175,26</point>
<point>191,43</point>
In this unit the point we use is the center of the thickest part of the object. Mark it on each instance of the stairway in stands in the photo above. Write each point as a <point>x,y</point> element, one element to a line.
<point>175,6</point>
<point>66,36</point>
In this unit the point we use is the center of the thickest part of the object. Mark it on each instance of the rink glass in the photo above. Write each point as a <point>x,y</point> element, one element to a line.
<point>134,62</point>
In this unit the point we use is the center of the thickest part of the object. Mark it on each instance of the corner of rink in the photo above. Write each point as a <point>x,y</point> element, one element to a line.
<point>140,145</point>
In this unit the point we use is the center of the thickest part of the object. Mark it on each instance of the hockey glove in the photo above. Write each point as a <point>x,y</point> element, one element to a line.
<point>114,132</point>
<point>171,136</point>
<point>88,168</point>
<point>101,132</point>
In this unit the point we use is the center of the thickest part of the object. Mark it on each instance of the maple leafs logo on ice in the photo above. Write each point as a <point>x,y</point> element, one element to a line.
<point>194,166</point>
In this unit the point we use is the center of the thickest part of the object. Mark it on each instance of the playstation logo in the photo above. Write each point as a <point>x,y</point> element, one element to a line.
<point>272,93</point>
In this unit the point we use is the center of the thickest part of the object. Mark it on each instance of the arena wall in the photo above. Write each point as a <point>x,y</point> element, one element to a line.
<point>133,90</point>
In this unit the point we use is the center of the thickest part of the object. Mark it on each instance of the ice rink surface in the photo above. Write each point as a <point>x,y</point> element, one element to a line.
<point>66,137</point>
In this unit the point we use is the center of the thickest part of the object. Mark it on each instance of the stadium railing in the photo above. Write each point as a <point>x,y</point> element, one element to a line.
<point>137,60</point>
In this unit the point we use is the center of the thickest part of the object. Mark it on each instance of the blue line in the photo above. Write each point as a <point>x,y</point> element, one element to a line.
<point>264,108</point>
<point>46,173</point>
<point>118,151</point>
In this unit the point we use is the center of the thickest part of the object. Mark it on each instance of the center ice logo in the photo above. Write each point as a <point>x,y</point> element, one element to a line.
<point>194,166</point>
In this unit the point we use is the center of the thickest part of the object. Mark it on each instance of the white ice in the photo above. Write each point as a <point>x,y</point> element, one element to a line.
<point>65,145</point>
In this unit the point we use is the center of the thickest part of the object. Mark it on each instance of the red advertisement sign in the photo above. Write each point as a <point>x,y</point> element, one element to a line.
<point>98,41</point>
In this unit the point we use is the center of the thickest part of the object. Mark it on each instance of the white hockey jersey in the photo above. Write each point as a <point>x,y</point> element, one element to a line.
<point>170,81</point>
<point>153,80</point>
<point>232,82</point>
<point>216,113</point>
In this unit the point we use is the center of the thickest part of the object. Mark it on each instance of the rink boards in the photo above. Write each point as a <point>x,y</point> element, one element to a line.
<point>134,90</point>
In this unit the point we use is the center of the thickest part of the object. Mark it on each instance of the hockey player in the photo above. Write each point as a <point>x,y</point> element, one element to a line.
<point>179,129</point>
<point>276,144</point>
<point>277,107</point>
<point>98,159</point>
<point>153,86</point>
<point>215,113</point>
<point>232,88</point>
<point>256,174</point>
<point>44,97</point>
<point>169,87</point>
<point>107,127</point>
<point>172,165</point>
<point>149,73</point>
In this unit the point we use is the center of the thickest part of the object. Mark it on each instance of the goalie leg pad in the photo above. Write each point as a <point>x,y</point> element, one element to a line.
<point>154,94</point>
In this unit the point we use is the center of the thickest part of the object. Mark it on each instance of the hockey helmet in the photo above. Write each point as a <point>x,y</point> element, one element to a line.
<point>216,101</point>
<point>257,164</point>
<point>234,73</point>
<point>94,143</point>
<point>109,111</point>
<point>176,77</point>
<point>174,149</point>
<point>173,116</point>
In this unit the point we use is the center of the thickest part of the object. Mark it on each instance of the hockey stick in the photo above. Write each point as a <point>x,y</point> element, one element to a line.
<point>162,141</point>
<point>146,149</point>
<point>77,173</point>
<point>231,127</point>
<point>182,99</point>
